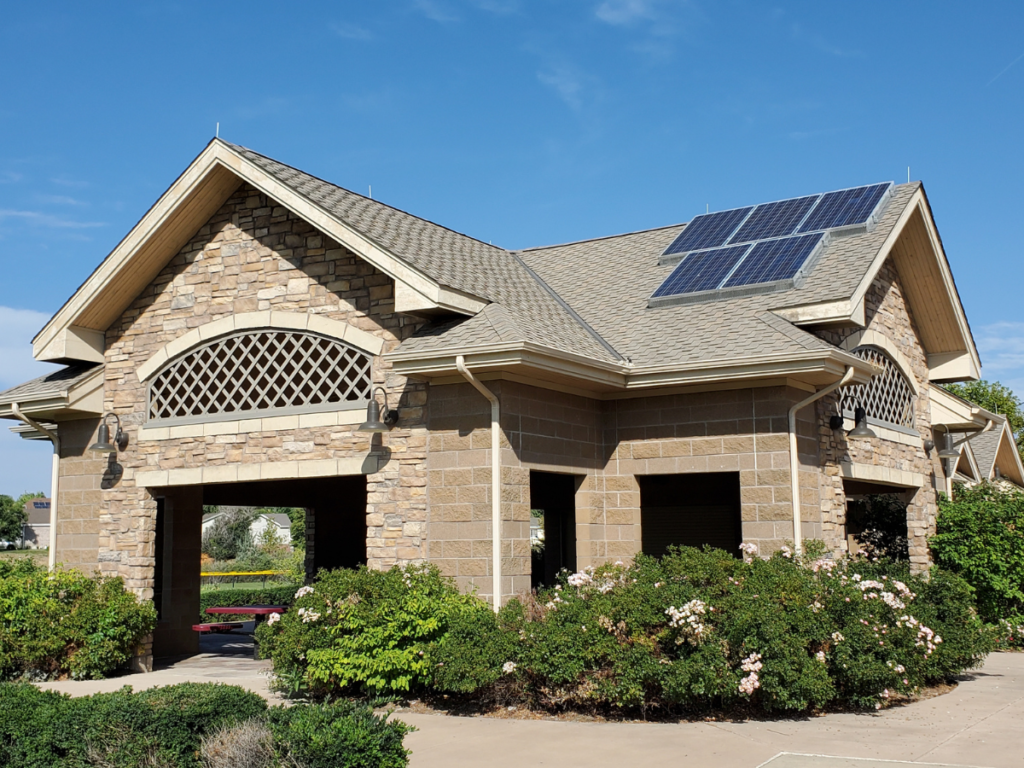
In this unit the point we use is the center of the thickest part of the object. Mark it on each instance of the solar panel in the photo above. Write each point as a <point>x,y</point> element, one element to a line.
<point>843,208</point>
<point>774,219</point>
<point>701,271</point>
<point>709,230</point>
<point>773,260</point>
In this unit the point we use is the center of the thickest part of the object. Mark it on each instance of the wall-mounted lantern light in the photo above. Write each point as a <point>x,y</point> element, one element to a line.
<point>375,420</point>
<point>103,443</point>
<point>860,424</point>
<point>948,451</point>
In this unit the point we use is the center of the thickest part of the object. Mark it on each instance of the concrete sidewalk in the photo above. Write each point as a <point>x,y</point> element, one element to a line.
<point>981,723</point>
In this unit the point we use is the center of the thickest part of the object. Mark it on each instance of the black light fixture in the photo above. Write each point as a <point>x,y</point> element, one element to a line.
<point>375,421</point>
<point>948,451</point>
<point>860,425</point>
<point>103,443</point>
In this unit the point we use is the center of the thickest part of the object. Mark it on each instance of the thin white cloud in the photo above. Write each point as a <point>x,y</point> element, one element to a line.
<point>824,44</point>
<point>16,362</point>
<point>60,200</point>
<point>436,11</point>
<point>625,12</point>
<point>38,219</point>
<point>1004,70</point>
<point>63,182</point>
<point>566,82</point>
<point>9,177</point>
<point>351,31</point>
<point>1001,346</point>
<point>501,7</point>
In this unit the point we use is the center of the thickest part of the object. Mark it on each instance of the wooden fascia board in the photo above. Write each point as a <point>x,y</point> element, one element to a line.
<point>954,413</point>
<point>623,377</point>
<point>218,163</point>
<point>919,203</point>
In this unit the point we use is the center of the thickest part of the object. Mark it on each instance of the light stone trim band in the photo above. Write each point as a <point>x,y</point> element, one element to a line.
<point>239,473</point>
<point>268,319</point>
<point>878,474</point>
<point>338,418</point>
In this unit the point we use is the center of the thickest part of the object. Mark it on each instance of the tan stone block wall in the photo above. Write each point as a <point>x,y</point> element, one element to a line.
<point>254,255</point>
<point>888,313</point>
<point>79,496</point>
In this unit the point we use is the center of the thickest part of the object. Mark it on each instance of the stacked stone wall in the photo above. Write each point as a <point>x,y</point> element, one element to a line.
<point>254,255</point>
<point>79,496</point>
<point>888,313</point>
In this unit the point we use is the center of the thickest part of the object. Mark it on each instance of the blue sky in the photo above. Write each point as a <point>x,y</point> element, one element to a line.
<point>523,123</point>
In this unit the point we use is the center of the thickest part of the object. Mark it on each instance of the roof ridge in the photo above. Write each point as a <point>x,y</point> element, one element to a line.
<point>572,312</point>
<point>364,197</point>
<point>598,239</point>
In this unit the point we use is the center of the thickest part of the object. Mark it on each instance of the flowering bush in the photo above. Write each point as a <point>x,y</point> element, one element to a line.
<point>361,631</point>
<point>701,629</point>
<point>64,623</point>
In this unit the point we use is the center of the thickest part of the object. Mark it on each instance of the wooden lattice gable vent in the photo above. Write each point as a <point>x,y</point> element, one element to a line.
<point>888,398</point>
<point>258,372</point>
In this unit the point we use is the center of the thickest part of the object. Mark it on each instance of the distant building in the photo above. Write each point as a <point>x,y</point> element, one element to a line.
<point>281,524</point>
<point>36,531</point>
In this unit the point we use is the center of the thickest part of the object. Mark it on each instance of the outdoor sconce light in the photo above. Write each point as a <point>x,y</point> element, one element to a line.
<point>103,444</point>
<point>948,451</point>
<point>860,424</point>
<point>375,421</point>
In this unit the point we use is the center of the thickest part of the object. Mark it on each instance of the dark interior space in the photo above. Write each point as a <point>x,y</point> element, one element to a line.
<point>158,552</point>
<point>555,496</point>
<point>690,510</point>
<point>335,510</point>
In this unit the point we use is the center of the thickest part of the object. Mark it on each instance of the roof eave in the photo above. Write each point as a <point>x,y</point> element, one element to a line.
<point>71,334</point>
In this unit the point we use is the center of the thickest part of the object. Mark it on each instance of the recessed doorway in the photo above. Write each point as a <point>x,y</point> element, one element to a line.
<point>552,525</point>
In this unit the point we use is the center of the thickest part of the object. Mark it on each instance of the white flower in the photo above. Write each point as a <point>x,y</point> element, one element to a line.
<point>786,551</point>
<point>508,667</point>
<point>749,552</point>
<point>751,665</point>
<point>820,656</point>
<point>303,591</point>
<point>837,637</point>
<point>307,615</point>
<point>689,620</point>
<point>273,618</point>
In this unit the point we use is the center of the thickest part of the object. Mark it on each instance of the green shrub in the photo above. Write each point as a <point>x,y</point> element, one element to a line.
<point>361,631</point>
<point>980,536</point>
<point>272,594</point>
<point>59,623</point>
<point>701,629</point>
<point>161,726</point>
<point>339,735</point>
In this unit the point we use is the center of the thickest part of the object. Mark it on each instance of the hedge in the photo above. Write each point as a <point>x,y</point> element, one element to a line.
<point>187,726</point>
<point>693,631</point>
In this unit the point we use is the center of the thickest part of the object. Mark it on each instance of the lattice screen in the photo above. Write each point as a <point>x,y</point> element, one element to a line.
<point>887,397</point>
<point>260,371</point>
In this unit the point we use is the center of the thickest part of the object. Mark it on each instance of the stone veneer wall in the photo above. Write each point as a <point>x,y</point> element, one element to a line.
<point>254,255</point>
<point>888,313</point>
<point>607,443</point>
<point>79,496</point>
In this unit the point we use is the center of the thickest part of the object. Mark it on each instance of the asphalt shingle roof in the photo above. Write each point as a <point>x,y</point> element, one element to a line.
<point>50,385</point>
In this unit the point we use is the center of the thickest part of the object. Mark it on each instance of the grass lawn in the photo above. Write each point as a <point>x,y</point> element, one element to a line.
<point>39,555</point>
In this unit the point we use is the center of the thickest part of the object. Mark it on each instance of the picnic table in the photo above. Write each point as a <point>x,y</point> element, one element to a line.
<point>258,612</point>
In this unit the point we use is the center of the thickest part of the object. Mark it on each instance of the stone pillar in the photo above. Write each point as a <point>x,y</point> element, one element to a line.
<point>182,545</point>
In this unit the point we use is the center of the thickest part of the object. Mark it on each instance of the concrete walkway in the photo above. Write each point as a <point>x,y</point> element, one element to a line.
<point>981,723</point>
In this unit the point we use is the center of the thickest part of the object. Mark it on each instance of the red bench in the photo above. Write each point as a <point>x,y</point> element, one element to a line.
<point>223,626</point>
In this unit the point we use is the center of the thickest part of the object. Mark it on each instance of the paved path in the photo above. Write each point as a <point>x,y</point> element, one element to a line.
<point>981,723</point>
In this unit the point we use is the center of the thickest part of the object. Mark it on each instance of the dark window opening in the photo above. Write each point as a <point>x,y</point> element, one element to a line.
<point>158,565</point>
<point>690,510</point>
<point>552,526</point>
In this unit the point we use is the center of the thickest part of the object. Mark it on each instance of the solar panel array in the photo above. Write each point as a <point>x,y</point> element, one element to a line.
<point>764,243</point>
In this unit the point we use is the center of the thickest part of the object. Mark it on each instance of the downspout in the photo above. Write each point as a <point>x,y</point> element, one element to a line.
<point>54,477</point>
<point>794,463</point>
<point>460,363</point>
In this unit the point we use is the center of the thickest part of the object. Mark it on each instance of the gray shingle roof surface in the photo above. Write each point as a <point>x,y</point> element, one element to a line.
<point>50,385</point>
<point>986,446</point>
<point>609,281</point>
<point>452,259</point>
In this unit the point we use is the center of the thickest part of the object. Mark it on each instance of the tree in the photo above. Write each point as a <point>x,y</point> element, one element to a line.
<point>13,515</point>
<point>229,533</point>
<point>993,396</point>
<point>297,516</point>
